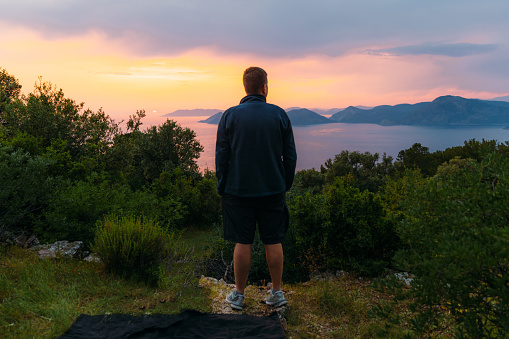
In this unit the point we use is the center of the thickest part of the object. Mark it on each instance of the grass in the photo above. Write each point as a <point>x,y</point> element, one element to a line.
<point>42,298</point>
<point>338,307</point>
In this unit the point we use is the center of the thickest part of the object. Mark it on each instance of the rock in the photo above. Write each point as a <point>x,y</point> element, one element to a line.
<point>405,277</point>
<point>61,248</point>
<point>46,253</point>
<point>30,242</point>
<point>21,240</point>
<point>92,258</point>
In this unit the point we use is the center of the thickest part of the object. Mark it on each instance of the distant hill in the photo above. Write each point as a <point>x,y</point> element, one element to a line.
<point>443,111</point>
<point>328,111</point>
<point>214,120</point>
<point>453,110</point>
<point>382,115</point>
<point>504,98</point>
<point>320,111</point>
<point>298,117</point>
<point>192,112</point>
<point>305,117</point>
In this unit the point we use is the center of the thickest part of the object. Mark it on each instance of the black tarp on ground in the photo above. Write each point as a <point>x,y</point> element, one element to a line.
<point>188,324</point>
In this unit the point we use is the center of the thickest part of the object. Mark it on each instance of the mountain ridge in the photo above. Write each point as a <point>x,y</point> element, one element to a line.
<point>447,110</point>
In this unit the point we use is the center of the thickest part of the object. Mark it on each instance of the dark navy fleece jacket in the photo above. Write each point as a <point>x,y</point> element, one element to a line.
<point>255,149</point>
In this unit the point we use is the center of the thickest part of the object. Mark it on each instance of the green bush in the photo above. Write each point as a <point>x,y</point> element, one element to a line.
<point>358,234</point>
<point>309,180</point>
<point>73,213</point>
<point>197,195</point>
<point>133,247</point>
<point>25,189</point>
<point>48,115</point>
<point>456,242</point>
<point>369,173</point>
<point>304,246</point>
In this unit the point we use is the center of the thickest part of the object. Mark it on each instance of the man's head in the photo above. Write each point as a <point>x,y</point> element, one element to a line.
<point>255,81</point>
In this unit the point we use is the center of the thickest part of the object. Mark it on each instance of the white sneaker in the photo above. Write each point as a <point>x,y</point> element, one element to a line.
<point>235,300</point>
<point>276,298</point>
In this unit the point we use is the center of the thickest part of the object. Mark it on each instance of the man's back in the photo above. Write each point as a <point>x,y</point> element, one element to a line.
<point>255,165</point>
<point>255,150</point>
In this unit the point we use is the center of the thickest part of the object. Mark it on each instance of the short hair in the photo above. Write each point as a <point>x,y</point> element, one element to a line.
<point>254,80</point>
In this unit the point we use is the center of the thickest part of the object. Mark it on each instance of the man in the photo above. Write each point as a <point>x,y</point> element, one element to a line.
<point>255,166</point>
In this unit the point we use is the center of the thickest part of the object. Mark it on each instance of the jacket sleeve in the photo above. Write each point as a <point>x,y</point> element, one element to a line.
<point>289,155</point>
<point>223,151</point>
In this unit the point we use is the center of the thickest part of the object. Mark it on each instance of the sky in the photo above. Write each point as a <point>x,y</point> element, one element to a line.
<point>164,55</point>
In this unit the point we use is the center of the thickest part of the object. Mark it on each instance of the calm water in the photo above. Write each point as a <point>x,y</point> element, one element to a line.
<point>315,144</point>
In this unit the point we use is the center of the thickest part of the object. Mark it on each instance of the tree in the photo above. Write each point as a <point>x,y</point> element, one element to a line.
<point>167,147</point>
<point>418,156</point>
<point>9,90</point>
<point>308,180</point>
<point>48,115</point>
<point>358,235</point>
<point>25,189</point>
<point>364,167</point>
<point>456,242</point>
<point>473,149</point>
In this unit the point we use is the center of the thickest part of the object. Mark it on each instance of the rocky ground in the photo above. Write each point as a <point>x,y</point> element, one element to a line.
<point>254,302</point>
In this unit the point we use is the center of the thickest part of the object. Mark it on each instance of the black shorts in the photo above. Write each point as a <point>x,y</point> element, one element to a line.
<point>240,216</point>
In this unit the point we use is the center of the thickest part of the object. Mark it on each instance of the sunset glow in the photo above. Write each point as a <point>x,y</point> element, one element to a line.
<point>123,68</point>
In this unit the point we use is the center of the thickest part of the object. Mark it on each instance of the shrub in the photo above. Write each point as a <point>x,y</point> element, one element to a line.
<point>132,247</point>
<point>358,235</point>
<point>309,180</point>
<point>196,194</point>
<point>368,171</point>
<point>456,240</point>
<point>304,246</point>
<point>72,214</point>
<point>25,189</point>
<point>48,115</point>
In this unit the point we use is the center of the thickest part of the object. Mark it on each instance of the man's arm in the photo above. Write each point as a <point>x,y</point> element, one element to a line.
<point>289,156</point>
<point>222,155</point>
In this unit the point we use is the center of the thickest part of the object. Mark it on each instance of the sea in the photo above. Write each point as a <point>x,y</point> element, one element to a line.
<point>317,143</point>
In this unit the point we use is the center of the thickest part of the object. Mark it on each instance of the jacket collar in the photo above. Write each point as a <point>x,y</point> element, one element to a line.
<point>253,97</point>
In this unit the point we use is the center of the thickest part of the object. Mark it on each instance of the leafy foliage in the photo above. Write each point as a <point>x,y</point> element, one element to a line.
<point>358,235</point>
<point>25,189</point>
<point>73,213</point>
<point>305,247</point>
<point>419,157</point>
<point>99,169</point>
<point>168,146</point>
<point>456,239</point>
<point>311,181</point>
<point>197,195</point>
<point>368,172</point>
<point>9,91</point>
<point>48,115</point>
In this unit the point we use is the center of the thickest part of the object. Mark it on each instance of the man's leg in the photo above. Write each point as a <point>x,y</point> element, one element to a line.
<point>241,265</point>
<point>274,256</point>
